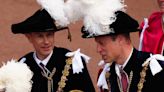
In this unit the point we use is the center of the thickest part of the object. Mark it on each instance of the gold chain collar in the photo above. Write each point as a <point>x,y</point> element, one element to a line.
<point>107,75</point>
<point>130,80</point>
<point>142,79</point>
<point>50,79</point>
<point>140,84</point>
<point>61,83</point>
<point>65,73</point>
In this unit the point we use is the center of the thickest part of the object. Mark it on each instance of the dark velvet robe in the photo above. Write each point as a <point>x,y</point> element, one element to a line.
<point>81,81</point>
<point>151,84</point>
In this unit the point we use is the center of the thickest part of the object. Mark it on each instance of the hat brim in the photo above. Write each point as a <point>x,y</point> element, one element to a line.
<point>40,21</point>
<point>22,30</point>
<point>123,24</point>
<point>85,33</point>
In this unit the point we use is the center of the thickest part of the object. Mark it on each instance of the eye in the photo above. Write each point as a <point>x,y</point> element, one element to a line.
<point>50,34</point>
<point>39,35</point>
<point>100,43</point>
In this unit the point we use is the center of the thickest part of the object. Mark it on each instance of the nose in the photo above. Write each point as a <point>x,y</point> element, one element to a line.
<point>46,41</point>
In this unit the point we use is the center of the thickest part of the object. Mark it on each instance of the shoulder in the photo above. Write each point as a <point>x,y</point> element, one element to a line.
<point>142,55</point>
<point>154,16</point>
<point>60,50</point>
<point>157,65</point>
<point>60,53</point>
<point>25,57</point>
<point>161,62</point>
<point>139,56</point>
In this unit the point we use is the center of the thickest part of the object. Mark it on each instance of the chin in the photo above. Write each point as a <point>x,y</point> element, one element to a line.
<point>46,53</point>
<point>105,60</point>
<point>108,61</point>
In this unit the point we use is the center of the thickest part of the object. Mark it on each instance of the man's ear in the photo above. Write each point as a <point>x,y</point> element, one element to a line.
<point>120,39</point>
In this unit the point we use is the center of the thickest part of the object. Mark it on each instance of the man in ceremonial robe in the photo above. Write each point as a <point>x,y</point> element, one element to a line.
<point>53,71</point>
<point>130,69</point>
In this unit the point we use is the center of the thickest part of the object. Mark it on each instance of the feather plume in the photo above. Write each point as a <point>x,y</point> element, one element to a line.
<point>100,14</point>
<point>15,77</point>
<point>75,9</point>
<point>56,10</point>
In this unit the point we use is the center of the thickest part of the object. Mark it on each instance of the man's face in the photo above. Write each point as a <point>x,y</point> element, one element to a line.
<point>161,4</point>
<point>43,43</point>
<point>107,48</point>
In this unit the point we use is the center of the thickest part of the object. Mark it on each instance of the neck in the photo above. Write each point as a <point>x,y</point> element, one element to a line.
<point>124,54</point>
<point>41,57</point>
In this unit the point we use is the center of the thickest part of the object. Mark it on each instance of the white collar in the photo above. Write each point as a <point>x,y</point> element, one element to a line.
<point>117,66</point>
<point>45,61</point>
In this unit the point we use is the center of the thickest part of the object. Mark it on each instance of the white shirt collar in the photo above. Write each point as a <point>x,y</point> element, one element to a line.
<point>117,66</point>
<point>45,61</point>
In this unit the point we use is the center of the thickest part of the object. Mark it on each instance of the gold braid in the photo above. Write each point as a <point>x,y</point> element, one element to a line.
<point>130,81</point>
<point>65,73</point>
<point>107,75</point>
<point>50,79</point>
<point>76,91</point>
<point>61,83</point>
<point>142,79</point>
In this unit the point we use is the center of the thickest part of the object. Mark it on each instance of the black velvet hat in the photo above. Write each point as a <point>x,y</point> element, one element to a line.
<point>40,21</point>
<point>123,24</point>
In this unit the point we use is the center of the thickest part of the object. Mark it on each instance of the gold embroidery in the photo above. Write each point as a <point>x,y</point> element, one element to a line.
<point>107,75</point>
<point>130,80</point>
<point>65,73</point>
<point>142,79</point>
<point>76,91</point>
<point>50,80</point>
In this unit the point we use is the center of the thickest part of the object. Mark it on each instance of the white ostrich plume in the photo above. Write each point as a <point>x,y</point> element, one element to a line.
<point>15,77</point>
<point>75,9</point>
<point>56,10</point>
<point>100,14</point>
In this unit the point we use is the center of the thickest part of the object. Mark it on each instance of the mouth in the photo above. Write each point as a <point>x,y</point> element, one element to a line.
<point>46,48</point>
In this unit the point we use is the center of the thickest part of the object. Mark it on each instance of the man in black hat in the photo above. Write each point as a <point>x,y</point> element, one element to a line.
<point>52,69</point>
<point>130,70</point>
